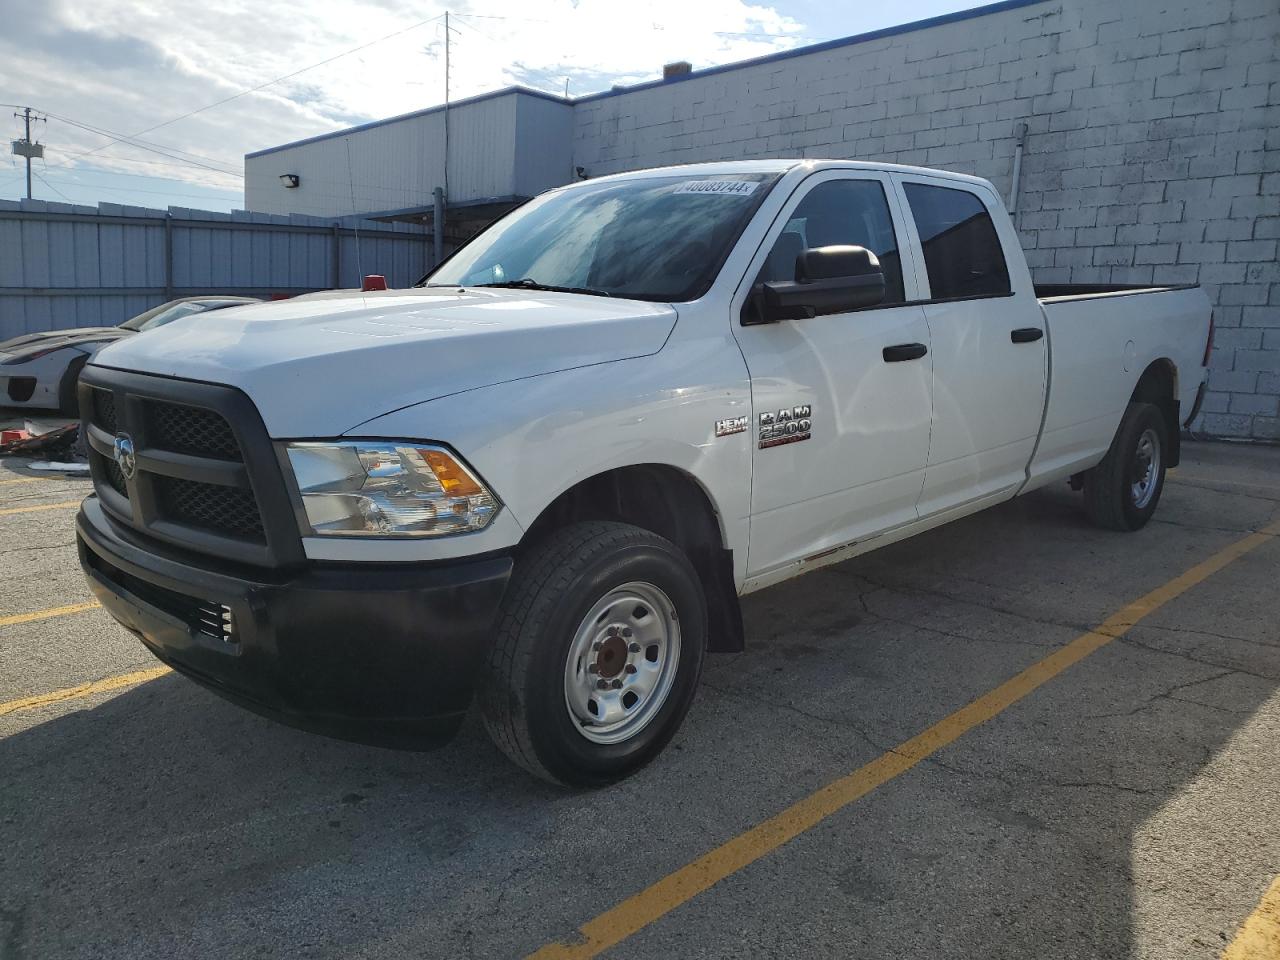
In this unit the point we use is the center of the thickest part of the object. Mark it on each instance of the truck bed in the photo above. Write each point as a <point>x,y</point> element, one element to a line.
<point>1101,338</point>
<point>1054,292</point>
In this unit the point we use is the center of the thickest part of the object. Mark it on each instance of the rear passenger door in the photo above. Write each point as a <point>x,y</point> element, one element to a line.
<point>986,338</point>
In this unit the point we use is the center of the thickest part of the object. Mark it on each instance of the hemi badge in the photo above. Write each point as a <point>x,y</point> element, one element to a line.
<point>731,426</point>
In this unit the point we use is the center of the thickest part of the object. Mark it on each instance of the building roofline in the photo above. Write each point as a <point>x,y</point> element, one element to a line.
<point>836,44</point>
<point>439,108</point>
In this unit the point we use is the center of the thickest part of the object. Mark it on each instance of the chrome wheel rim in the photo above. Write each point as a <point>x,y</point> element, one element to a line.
<point>622,663</point>
<point>1146,469</point>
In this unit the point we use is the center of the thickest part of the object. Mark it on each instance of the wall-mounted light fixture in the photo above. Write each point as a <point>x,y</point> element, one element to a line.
<point>290,180</point>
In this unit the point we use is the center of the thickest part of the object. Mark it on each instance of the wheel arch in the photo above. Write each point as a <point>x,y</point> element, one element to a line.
<point>670,502</point>
<point>1158,385</point>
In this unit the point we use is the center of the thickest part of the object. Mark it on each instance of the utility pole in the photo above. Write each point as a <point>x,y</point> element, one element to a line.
<point>25,148</point>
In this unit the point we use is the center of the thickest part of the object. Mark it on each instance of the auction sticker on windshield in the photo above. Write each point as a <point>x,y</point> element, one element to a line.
<point>740,188</point>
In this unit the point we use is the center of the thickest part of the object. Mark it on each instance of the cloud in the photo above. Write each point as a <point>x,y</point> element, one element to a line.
<point>124,66</point>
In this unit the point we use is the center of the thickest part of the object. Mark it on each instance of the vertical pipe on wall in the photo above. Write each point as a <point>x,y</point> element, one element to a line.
<point>1021,133</point>
<point>437,224</point>
<point>337,256</point>
<point>168,257</point>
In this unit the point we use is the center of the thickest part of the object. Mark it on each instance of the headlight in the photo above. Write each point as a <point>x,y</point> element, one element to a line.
<point>395,489</point>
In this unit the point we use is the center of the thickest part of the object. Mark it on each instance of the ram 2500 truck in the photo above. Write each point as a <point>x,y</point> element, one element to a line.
<point>543,477</point>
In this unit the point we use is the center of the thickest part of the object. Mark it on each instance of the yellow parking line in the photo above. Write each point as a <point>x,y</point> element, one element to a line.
<point>635,913</point>
<point>1259,936</point>
<point>44,506</point>
<point>83,690</point>
<point>23,480</point>
<point>50,612</point>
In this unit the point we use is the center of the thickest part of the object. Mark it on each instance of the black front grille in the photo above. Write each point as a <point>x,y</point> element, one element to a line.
<point>114,475</point>
<point>231,511</point>
<point>104,411</point>
<point>207,478</point>
<point>193,430</point>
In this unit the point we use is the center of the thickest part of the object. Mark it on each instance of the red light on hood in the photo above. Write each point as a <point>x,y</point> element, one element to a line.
<point>374,281</point>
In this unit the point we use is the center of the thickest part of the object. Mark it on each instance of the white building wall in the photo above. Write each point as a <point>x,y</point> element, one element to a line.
<point>1153,153</point>
<point>544,146</point>
<point>396,164</point>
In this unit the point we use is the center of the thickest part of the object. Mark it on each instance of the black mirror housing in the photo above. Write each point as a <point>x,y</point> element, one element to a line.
<point>833,279</point>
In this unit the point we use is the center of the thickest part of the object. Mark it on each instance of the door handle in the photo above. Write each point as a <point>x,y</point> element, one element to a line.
<point>904,351</point>
<point>1026,334</point>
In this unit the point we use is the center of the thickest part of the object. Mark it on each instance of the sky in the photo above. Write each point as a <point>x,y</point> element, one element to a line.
<point>155,104</point>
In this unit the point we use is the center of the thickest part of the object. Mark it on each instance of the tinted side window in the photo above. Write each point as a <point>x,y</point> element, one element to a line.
<point>961,250</point>
<point>839,212</point>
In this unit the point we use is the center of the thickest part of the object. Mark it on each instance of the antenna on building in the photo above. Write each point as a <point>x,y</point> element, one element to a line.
<point>447,31</point>
<point>441,194</point>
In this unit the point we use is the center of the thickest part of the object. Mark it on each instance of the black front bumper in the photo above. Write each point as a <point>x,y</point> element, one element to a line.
<point>384,654</point>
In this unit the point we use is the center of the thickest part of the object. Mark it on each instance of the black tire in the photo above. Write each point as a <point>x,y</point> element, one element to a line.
<point>1109,496</point>
<point>68,401</point>
<point>554,587</point>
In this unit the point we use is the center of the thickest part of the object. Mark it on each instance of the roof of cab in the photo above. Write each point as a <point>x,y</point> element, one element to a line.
<point>782,166</point>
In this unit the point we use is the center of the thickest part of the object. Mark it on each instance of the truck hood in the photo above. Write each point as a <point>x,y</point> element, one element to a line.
<point>33,343</point>
<point>323,364</point>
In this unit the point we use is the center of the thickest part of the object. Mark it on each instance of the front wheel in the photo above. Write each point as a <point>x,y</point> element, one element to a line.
<point>68,402</point>
<point>1122,491</point>
<point>597,655</point>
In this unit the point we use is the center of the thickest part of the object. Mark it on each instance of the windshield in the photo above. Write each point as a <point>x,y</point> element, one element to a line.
<point>151,319</point>
<point>663,238</point>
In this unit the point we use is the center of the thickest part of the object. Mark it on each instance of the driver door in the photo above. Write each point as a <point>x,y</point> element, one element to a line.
<point>859,467</point>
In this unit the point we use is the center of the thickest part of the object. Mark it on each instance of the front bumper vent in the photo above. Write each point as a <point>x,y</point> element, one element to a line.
<point>217,622</point>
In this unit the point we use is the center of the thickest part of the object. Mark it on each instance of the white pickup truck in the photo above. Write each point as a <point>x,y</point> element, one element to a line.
<point>543,477</point>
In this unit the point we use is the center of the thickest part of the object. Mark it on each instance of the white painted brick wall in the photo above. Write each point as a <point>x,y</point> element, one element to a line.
<point>1153,153</point>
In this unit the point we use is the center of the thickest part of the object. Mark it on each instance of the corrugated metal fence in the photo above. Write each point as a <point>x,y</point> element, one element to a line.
<point>64,265</point>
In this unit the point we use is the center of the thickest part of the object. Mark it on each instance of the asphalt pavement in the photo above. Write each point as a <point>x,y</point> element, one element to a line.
<point>1126,806</point>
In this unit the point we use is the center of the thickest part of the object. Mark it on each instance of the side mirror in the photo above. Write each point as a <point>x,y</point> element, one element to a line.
<point>833,279</point>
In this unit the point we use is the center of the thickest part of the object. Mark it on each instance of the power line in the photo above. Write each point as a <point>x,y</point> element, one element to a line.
<point>268,83</point>
<point>95,169</point>
<point>156,163</point>
<point>164,149</point>
<point>52,187</point>
<point>102,132</point>
<point>770,36</point>
<point>158,193</point>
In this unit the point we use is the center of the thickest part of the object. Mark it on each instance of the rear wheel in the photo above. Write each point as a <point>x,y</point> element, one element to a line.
<point>597,655</point>
<point>1121,492</point>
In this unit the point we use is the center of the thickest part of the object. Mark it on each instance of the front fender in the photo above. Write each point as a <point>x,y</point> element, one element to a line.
<point>533,439</point>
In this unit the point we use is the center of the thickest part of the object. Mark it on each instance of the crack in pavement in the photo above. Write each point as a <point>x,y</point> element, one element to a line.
<point>1030,778</point>
<point>757,697</point>
<point>1079,627</point>
<point>1204,528</point>
<point>1207,633</point>
<point>51,546</point>
<point>1168,694</point>
<point>1219,488</point>
<point>951,635</point>
<point>1131,642</point>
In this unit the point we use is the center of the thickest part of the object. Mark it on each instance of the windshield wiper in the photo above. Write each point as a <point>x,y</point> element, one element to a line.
<point>528,283</point>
